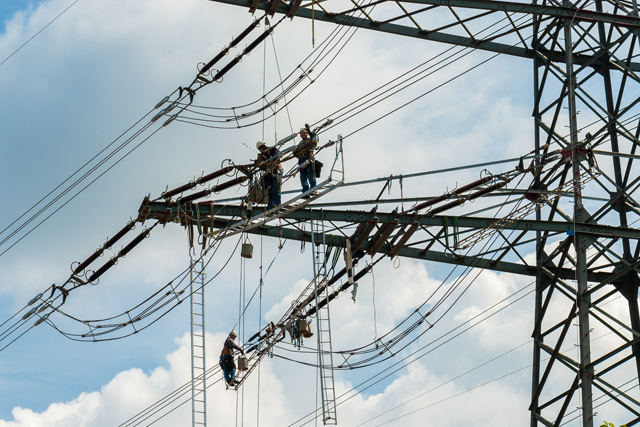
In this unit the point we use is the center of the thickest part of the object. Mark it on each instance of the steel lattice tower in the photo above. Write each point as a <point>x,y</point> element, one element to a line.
<point>584,181</point>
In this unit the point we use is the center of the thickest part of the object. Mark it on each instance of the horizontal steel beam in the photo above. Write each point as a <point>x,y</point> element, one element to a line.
<point>417,253</point>
<point>168,213</point>
<point>541,10</point>
<point>390,28</point>
<point>164,212</point>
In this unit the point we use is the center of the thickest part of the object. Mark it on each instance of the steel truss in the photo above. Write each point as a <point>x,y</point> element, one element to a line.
<point>584,60</point>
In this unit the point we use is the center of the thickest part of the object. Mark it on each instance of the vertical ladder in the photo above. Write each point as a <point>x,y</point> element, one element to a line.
<point>198,366</point>
<point>325,353</point>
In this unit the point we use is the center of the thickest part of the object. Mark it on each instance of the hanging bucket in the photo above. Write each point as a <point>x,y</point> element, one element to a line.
<point>247,250</point>
<point>308,332</point>
<point>242,363</point>
<point>305,328</point>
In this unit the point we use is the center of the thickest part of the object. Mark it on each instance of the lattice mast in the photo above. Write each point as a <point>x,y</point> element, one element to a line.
<point>583,297</point>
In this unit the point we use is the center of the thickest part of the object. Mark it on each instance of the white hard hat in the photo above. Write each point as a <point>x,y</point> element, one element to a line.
<point>233,334</point>
<point>303,130</point>
<point>258,145</point>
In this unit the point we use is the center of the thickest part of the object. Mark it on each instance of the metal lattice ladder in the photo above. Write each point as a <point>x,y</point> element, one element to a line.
<point>325,350</point>
<point>198,365</point>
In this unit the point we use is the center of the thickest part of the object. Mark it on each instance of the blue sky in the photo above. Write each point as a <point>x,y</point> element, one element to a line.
<point>9,7</point>
<point>100,68</point>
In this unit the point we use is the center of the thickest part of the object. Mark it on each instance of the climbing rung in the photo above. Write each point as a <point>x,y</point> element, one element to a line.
<point>198,361</point>
<point>323,321</point>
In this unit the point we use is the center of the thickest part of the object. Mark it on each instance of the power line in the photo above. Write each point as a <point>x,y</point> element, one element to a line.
<point>412,357</point>
<point>450,381</point>
<point>36,34</point>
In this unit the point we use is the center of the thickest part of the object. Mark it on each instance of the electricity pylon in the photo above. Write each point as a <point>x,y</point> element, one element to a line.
<point>584,60</point>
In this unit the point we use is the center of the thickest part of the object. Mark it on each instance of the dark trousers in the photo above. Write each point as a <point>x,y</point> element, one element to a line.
<point>307,175</point>
<point>228,367</point>
<point>272,185</point>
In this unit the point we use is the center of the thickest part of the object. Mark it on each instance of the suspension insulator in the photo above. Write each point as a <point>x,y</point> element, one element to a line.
<point>217,58</point>
<point>256,335</point>
<point>321,289</point>
<point>233,44</point>
<point>474,184</point>
<point>226,68</point>
<point>102,269</point>
<point>444,197</point>
<point>229,184</point>
<point>487,190</point>
<point>109,243</point>
<point>237,59</point>
<point>189,186</point>
<point>194,196</point>
<point>448,206</point>
<point>472,196</point>
<point>130,226</point>
<point>215,174</point>
<point>257,41</point>
<point>88,261</point>
<point>135,242</point>
<point>335,294</point>
<point>216,188</point>
<point>430,202</point>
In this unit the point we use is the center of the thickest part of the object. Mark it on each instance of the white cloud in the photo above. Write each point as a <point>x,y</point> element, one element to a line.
<point>129,392</point>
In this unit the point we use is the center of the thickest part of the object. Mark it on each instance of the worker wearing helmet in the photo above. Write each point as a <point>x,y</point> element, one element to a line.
<point>269,162</point>
<point>226,358</point>
<point>304,153</point>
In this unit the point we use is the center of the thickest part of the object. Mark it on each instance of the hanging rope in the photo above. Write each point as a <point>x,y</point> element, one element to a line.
<point>375,322</point>
<point>260,327</point>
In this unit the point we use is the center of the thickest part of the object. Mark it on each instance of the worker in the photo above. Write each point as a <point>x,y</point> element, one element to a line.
<point>304,153</point>
<point>226,358</point>
<point>272,179</point>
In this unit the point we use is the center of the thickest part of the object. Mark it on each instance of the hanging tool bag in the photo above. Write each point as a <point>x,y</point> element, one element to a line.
<point>317,167</point>
<point>242,363</point>
<point>257,192</point>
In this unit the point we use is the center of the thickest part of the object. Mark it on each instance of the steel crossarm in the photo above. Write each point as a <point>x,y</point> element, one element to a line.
<point>455,30</point>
